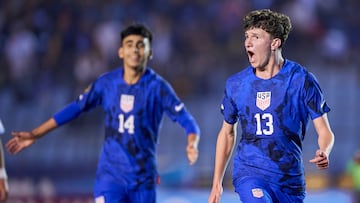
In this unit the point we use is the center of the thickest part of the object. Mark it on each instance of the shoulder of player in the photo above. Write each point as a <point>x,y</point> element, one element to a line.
<point>152,77</point>
<point>295,71</point>
<point>300,73</point>
<point>156,83</point>
<point>295,67</point>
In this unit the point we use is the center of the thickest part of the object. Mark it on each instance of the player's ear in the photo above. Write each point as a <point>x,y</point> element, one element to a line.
<point>151,54</point>
<point>275,44</point>
<point>121,53</point>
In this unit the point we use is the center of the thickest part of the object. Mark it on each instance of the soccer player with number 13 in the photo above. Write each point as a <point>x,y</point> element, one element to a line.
<point>273,100</point>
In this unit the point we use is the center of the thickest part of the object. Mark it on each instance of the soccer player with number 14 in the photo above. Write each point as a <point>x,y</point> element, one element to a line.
<point>134,99</point>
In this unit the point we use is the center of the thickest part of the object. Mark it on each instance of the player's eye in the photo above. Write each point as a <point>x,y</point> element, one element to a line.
<point>128,44</point>
<point>140,45</point>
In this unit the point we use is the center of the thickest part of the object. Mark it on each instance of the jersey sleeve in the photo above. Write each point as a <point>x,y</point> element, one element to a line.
<point>89,99</point>
<point>314,98</point>
<point>176,110</point>
<point>228,107</point>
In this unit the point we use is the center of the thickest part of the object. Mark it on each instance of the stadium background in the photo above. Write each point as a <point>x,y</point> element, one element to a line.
<point>50,50</point>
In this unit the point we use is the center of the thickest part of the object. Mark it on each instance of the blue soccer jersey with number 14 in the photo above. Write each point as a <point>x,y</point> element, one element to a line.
<point>273,115</point>
<point>133,115</point>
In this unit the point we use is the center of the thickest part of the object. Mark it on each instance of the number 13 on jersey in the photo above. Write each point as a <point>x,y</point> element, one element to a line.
<point>268,128</point>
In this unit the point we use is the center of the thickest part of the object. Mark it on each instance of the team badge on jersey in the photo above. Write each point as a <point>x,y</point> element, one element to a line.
<point>127,102</point>
<point>257,192</point>
<point>263,100</point>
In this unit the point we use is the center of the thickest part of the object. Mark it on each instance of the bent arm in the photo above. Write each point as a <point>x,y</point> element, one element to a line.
<point>325,134</point>
<point>325,142</point>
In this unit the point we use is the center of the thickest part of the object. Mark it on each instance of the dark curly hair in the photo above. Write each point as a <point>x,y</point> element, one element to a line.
<point>276,24</point>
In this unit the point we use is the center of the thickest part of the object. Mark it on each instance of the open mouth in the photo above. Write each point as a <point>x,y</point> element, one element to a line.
<point>250,56</point>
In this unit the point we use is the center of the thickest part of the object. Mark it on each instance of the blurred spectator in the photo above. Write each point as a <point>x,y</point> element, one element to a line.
<point>107,39</point>
<point>353,170</point>
<point>88,66</point>
<point>335,45</point>
<point>197,36</point>
<point>20,53</point>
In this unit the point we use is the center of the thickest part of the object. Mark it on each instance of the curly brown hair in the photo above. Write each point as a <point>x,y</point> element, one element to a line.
<point>278,25</point>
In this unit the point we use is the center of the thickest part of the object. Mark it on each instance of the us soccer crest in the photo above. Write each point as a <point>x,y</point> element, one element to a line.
<point>127,102</point>
<point>263,100</point>
<point>257,192</point>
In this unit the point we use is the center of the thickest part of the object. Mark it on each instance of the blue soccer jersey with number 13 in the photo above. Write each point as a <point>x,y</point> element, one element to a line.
<point>273,115</point>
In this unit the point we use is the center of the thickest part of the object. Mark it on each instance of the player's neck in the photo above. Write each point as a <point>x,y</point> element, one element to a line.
<point>272,68</point>
<point>133,75</point>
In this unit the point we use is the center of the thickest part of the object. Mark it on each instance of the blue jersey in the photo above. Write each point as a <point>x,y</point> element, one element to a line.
<point>273,115</point>
<point>133,115</point>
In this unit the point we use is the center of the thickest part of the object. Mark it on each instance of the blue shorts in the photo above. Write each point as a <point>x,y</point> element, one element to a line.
<point>255,190</point>
<point>128,196</point>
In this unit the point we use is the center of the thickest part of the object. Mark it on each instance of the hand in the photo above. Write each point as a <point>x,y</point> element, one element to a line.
<point>192,148</point>
<point>215,194</point>
<point>321,160</point>
<point>4,190</point>
<point>20,141</point>
<point>192,153</point>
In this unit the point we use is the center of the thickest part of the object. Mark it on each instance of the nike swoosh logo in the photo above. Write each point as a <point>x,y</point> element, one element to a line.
<point>179,107</point>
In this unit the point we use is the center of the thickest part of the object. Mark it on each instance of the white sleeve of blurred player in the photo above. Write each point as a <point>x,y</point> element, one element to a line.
<point>2,129</point>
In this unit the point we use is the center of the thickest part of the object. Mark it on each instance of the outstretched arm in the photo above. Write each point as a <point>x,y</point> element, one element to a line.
<point>325,142</point>
<point>22,139</point>
<point>224,147</point>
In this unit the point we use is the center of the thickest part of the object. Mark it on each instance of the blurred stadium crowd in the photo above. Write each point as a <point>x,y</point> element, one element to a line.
<point>50,50</point>
<point>47,44</point>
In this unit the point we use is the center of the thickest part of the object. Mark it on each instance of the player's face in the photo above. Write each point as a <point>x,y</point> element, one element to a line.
<point>258,47</point>
<point>135,51</point>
